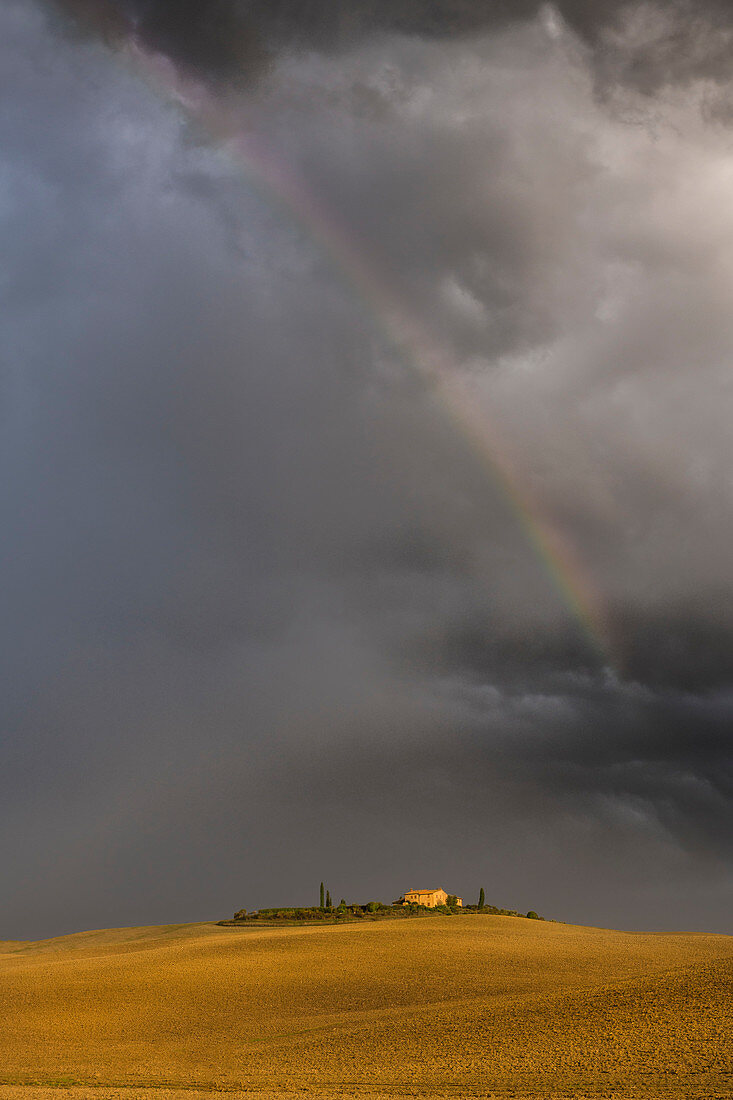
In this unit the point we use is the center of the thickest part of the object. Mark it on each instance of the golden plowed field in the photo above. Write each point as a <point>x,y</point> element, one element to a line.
<point>440,1006</point>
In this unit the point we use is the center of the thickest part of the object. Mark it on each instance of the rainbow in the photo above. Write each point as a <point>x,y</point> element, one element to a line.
<point>419,349</point>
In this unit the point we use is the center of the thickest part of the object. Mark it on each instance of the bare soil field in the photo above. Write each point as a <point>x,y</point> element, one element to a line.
<point>434,1007</point>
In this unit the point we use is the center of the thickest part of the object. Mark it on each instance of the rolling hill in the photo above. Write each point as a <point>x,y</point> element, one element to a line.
<point>479,1005</point>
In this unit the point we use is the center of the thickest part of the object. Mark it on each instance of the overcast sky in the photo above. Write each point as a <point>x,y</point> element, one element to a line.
<point>367,497</point>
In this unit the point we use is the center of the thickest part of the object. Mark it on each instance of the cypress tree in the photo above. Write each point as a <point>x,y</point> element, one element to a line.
<point>481,898</point>
<point>322,902</point>
<point>328,899</point>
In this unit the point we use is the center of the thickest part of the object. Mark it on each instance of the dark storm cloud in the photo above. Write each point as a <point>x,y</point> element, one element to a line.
<point>639,45</point>
<point>667,649</point>
<point>226,39</point>
<point>566,748</point>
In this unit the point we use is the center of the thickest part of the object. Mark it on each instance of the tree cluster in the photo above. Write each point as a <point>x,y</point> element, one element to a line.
<point>372,909</point>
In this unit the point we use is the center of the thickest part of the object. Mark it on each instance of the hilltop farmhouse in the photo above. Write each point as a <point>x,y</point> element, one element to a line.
<point>430,898</point>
